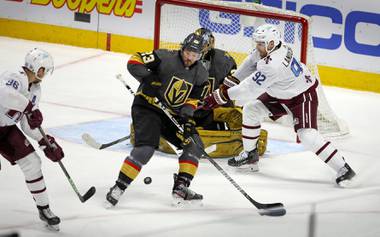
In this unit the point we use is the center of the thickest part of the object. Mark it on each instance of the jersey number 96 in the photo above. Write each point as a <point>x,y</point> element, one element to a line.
<point>13,83</point>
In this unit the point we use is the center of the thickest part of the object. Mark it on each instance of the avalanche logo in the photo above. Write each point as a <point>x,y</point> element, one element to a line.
<point>177,91</point>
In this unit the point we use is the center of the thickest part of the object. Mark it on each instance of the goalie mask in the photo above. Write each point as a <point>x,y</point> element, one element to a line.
<point>265,34</point>
<point>208,38</point>
<point>38,58</point>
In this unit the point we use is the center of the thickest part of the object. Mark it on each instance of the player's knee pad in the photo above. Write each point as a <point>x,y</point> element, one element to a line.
<point>142,154</point>
<point>310,138</point>
<point>31,166</point>
<point>254,112</point>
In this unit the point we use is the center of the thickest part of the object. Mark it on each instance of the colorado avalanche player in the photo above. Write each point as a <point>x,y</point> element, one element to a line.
<point>277,83</point>
<point>20,93</point>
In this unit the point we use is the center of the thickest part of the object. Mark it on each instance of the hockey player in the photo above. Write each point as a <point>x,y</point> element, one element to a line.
<point>20,94</point>
<point>221,125</point>
<point>219,65</point>
<point>289,89</point>
<point>178,80</point>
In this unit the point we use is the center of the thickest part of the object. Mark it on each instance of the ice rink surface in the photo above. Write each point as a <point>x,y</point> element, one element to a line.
<point>83,95</point>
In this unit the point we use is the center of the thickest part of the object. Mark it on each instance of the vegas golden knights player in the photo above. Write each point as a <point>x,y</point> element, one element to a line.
<point>178,80</point>
<point>219,65</point>
<point>222,125</point>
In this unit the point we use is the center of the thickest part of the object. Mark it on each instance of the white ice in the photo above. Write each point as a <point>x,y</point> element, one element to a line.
<point>83,88</point>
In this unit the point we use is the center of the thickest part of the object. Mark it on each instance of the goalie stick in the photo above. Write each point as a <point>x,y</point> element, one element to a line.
<point>268,209</point>
<point>89,140</point>
<point>82,198</point>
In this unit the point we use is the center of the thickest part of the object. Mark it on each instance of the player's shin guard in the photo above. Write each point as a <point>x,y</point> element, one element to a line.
<point>313,141</point>
<point>253,114</point>
<point>250,135</point>
<point>31,167</point>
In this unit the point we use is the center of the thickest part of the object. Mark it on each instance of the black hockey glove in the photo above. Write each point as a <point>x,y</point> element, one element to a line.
<point>151,85</point>
<point>185,113</point>
<point>188,131</point>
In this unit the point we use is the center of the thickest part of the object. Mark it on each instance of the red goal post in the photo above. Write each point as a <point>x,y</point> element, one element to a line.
<point>233,10</point>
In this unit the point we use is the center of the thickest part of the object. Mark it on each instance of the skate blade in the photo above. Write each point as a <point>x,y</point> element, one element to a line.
<point>347,184</point>
<point>249,167</point>
<point>52,227</point>
<point>108,205</point>
<point>180,203</point>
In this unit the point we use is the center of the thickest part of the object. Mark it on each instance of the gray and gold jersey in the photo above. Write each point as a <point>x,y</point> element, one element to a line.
<point>180,84</point>
<point>219,64</point>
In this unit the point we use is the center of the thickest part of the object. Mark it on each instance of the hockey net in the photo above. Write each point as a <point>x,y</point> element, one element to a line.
<point>232,24</point>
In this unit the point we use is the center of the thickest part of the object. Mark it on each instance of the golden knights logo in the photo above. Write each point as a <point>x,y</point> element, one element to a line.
<point>211,81</point>
<point>208,88</point>
<point>177,92</point>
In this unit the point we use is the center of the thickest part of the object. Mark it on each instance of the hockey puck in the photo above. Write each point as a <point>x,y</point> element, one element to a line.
<point>147,180</point>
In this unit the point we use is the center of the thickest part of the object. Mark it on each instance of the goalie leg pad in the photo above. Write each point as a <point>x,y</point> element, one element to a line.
<point>262,142</point>
<point>233,116</point>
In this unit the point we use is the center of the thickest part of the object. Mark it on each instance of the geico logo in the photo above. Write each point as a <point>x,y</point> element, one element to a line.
<point>352,26</point>
<point>124,8</point>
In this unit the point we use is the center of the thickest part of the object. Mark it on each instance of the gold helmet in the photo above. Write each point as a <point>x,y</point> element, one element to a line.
<point>206,34</point>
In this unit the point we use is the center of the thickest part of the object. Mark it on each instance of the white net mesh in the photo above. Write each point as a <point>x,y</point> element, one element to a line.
<point>232,27</point>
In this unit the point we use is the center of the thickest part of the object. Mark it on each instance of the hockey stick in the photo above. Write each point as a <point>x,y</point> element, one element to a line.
<point>89,140</point>
<point>269,209</point>
<point>89,193</point>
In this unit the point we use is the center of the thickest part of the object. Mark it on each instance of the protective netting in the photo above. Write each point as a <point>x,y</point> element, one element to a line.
<point>233,31</point>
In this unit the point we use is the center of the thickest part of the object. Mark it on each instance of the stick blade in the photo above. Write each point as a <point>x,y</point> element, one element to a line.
<point>91,141</point>
<point>88,194</point>
<point>119,76</point>
<point>273,209</point>
<point>210,149</point>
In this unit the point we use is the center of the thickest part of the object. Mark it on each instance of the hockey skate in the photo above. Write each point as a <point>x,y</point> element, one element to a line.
<point>182,194</point>
<point>113,196</point>
<point>47,216</point>
<point>344,176</point>
<point>246,160</point>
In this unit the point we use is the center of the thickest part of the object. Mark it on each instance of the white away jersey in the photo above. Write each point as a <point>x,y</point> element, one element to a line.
<point>15,95</point>
<point>280,74</point>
